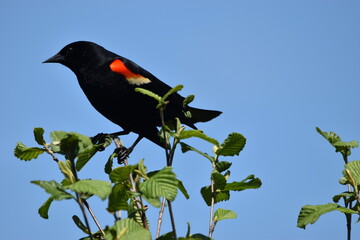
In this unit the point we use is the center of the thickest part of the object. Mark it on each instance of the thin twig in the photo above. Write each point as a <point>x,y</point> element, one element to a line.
<point>138,202</point>
<point>347,204</point>
<point>172,219</point>
<point>93,217</point>
<point>49,151</point>
<point>169,160</point>
<point>161,213</point>
<point>211,222</point>
<point>81,205</point>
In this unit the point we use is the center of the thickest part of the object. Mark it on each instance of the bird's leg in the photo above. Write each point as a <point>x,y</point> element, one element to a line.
<point>116,134</point>
<point>124,152</point>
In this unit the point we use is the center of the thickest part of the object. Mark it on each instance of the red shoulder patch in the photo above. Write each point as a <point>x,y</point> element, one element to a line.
<point>118,66</point>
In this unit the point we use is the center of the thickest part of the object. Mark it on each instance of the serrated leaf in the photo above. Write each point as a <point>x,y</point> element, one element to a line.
<point>56,190</point>
<point>196,133</point>
<point>148,93</point>
<point>248,183</point>
<point>99,188</point>
<point>84,157</point>
<point>232,145</point>
<point>73,144</point>
<point>69,144</point>
<point>121,174</point>
<point>221,214</point>
<point>185,148</point>
<point>155,202</point>
<point>219,196</point>
<point>79,224</point>
<point>25,153</point>
<point>132,230</point>
<point>222,166</point>
<point>219,181</point>
<point>44,209</point>
<point>335,141</point>
<point>118,198</point>
<point>38,134</point>
<point>311,213</point>
<point>162,184</point>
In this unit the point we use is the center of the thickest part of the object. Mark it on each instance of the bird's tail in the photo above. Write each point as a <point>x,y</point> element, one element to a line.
<point>202,115</point>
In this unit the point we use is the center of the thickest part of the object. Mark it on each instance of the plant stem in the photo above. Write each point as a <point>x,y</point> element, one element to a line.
<point>211,222</point>
<point>172,219</point>
<point>348,204</point>
<point>138,202</point>
<point>81,205</point>
<point>169,160</point>
<point>161,213</point>
<point>93,217</point>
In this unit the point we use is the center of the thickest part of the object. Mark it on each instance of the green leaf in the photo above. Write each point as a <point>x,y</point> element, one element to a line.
<point>54,189</point>
<point>222,214</point>
<point>38,134</point>
<point>171,91</point>
<point>73,144</point>
<point>109,163</point>
<point>99,188</point>
<point>219,181</point>
<point>183,189</point>
<point>79,224</point>
<point>188,100</point>
<point>167,236</point>
<point>118,198</point>
<point>346,210</point>
<point>23,152</point>
<point>44,209</point>
<point>219,196</point>
<point>352,173</point>
<point>232,145</point>
<point>121,174</point>
<point>84,157</point>
<point>311,213</point>
<point>335,141</point>
<point>70,144</point>
<point>148,93</point>
<point>155,202</point>
<point>161,184</point>
<point>350,196</point>
<point>222,166</point>
<point>248,183</point>
<point>199,236</point>
<point>65,168</point>
<point>185,148</point>
<point>197,133</point>
<point>132,230</point>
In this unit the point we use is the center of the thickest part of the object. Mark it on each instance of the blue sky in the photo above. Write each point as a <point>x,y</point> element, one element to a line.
<point>277,70</point>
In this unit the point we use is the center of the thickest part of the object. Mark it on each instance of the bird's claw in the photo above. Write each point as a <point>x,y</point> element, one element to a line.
<point>122,154</point>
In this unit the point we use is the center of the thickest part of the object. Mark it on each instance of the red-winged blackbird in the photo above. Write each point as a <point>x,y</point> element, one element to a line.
<point>108,81</point>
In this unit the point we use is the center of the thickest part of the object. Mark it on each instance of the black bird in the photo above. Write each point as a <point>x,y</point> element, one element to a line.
<point>108,81</point>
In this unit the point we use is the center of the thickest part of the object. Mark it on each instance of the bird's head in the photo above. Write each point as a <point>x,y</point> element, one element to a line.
<point>79,55</point>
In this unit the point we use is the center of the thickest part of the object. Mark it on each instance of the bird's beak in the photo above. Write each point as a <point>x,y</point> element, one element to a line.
<point>57,58</point>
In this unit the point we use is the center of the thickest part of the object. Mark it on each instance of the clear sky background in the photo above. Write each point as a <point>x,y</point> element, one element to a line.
<point>277,69</point>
